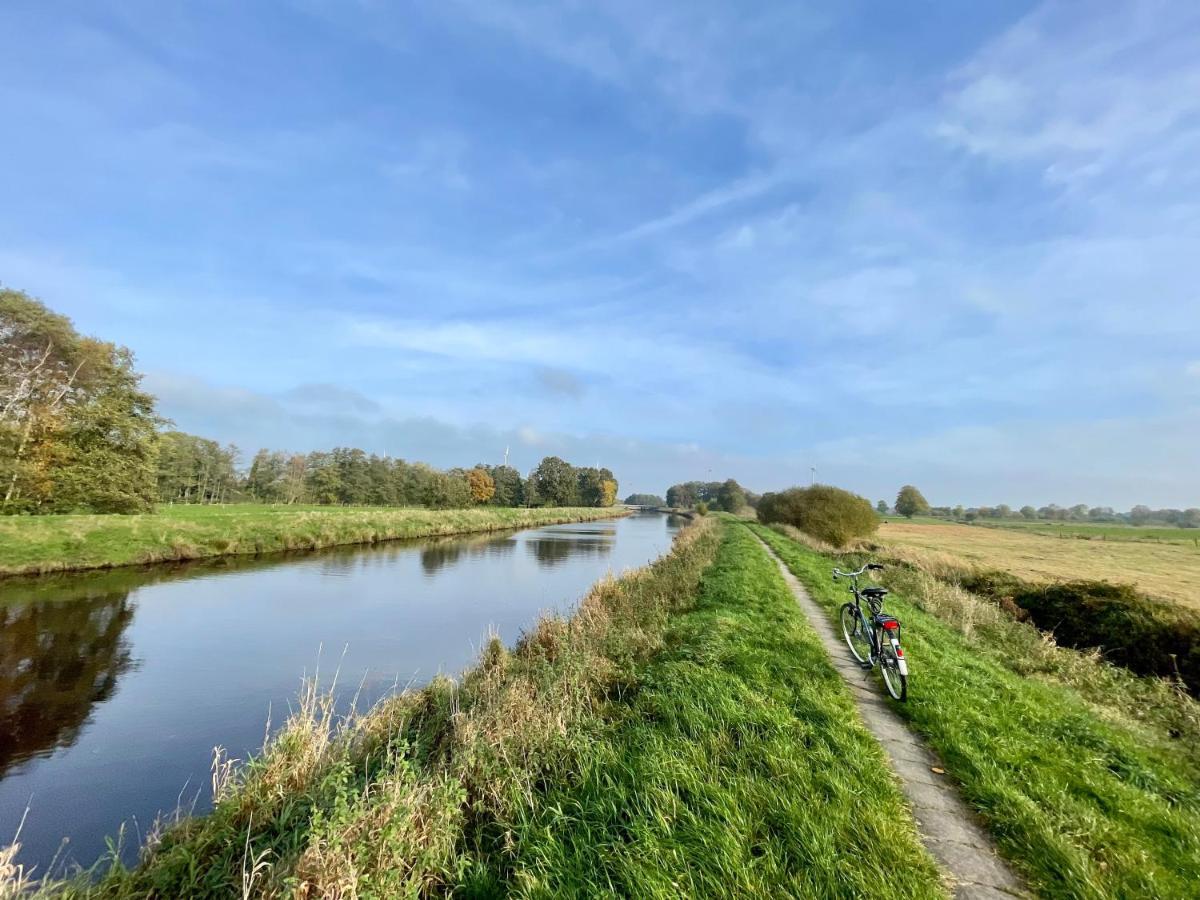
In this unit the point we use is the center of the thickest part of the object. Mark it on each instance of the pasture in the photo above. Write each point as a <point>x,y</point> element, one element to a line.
<point>1167,569</point>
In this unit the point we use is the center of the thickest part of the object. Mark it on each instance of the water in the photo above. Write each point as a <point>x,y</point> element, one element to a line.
<point>115,686</point>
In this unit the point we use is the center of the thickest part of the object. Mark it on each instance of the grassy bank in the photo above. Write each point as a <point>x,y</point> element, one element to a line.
<point>1087,775</point>
<point>682,734</point>
<point>40,544</point>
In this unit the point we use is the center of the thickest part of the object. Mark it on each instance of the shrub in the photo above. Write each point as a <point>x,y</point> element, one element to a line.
<point>702,508</point>
<point>827,513</point>
<point>1144,635</point>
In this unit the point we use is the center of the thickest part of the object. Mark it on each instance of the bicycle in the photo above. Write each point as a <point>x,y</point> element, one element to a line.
<point>865,634</point>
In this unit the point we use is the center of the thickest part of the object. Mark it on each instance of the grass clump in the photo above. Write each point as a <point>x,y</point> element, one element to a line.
<point>33,545</point>
<point>1084,794</point>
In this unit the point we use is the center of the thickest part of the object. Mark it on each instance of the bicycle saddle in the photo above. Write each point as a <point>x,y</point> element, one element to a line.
<point>876,592</point>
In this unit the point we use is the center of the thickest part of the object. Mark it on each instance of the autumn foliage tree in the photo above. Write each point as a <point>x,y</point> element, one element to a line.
<point>481,484</point>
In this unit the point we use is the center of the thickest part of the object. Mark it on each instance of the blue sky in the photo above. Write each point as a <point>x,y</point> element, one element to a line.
<point>950,244</point>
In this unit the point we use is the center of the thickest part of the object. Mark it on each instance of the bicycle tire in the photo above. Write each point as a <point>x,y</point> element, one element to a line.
<point>852,629</point>
<point>894,680</point>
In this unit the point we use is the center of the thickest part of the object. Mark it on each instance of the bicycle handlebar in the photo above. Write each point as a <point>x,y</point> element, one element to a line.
<point>839,573</point>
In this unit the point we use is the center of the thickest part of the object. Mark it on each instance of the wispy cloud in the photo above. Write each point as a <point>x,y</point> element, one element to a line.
<point>728,236</point>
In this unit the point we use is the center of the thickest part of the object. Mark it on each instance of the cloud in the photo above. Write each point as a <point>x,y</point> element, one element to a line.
<point>328,398</point>
<point>560,382</point>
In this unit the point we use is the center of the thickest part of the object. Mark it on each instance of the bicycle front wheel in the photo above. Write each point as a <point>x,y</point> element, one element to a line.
<point>855,633</point>
<point>894,680</point>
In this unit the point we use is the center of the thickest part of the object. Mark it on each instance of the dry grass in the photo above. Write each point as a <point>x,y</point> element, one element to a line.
<point>1170,571</point>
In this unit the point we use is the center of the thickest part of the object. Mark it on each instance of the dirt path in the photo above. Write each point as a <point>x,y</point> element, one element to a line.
<point>947,827</point>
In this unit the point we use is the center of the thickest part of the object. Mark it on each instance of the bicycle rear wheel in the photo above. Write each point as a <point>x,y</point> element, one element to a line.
<point>894,680</point>
<point>855,633</point>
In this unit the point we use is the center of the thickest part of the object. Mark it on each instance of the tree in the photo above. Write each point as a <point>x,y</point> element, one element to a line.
<point>447,491</point>
<point>608,492</point>
<point>77,432</point>
<point>509,489</point>
<point>481,485</point>
<point>556,482</point>
<point>730,496</point>
<point>881,507</point>
<point>911,502</point>
<point>1028,512</point>
<point>681,496</point>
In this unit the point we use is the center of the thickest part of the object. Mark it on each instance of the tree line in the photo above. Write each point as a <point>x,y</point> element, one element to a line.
<point>727,495</point>
<point>911,502</point>
<point>78,434</point>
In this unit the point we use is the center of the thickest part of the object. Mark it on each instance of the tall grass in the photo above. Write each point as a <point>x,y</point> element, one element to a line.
<point>1087,775</point>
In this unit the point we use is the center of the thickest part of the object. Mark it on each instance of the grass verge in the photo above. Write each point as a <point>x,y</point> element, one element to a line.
<point>1086,774</point>
<point>682,734</point>
<point>32,545</point>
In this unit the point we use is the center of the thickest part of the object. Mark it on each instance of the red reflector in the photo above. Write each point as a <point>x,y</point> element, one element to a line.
<point>899,653</point>
<point>891,625</point>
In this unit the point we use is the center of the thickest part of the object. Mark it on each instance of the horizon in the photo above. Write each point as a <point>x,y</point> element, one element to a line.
<point>948,248</point>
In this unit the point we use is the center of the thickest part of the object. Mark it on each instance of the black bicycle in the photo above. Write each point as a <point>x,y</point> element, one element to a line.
<point>875,638</point>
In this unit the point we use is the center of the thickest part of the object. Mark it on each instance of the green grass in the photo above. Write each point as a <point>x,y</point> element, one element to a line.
<point>734,765</point>
<point>682,734</point>
<point>1082,795</point>
<point>40,544</point>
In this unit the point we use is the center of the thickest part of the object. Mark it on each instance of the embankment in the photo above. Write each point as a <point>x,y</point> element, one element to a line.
<point>32,545</point>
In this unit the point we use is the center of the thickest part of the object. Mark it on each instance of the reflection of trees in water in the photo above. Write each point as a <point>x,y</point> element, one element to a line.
<point>549,552</point>
<point>438,554</point>
<point>57,659</point>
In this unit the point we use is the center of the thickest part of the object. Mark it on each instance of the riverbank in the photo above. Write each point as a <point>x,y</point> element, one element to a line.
<point>666,740</point>
<point>34,545</point>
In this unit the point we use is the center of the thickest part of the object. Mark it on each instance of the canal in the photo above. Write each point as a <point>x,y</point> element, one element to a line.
<point>116,686</point>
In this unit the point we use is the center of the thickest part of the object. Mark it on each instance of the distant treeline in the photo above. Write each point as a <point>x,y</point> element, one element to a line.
<point>78,434</point>
<point>644,500</point>
<point>1139,515</point>
<point>727,495</point>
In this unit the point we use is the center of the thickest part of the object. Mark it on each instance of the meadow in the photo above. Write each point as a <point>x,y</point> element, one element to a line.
<point>55,543</point>
<point>1167,569</point>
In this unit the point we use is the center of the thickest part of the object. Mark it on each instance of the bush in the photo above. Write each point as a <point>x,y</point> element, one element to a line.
<point>1144,635</point>
<point>827,513</point>
<point>702,508</point>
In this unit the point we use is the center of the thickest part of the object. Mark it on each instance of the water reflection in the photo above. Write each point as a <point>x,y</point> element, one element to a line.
<point>122,710</point>
<point>57,660</point>
<point>550,551</point>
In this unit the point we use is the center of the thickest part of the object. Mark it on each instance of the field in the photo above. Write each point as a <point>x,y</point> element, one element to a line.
<point>1167,569</point>
<point>39,544</point>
